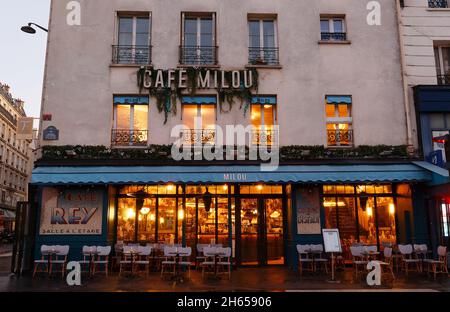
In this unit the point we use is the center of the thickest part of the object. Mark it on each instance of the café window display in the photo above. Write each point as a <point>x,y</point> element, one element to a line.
<point>362,213</point>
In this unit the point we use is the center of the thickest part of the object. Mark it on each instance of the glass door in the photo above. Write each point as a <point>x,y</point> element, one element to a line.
<point>273,238</point>
<point>249,239</point>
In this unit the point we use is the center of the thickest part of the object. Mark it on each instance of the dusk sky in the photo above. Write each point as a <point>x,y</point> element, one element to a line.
<point>22,56</point>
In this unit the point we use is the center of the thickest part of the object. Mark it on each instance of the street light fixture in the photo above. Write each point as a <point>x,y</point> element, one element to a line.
<point>30,30</point>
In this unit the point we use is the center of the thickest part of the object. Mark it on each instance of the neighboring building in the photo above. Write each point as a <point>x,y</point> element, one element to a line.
<point>425,37</point>
<point>330,99</point>
<point>15,156</point>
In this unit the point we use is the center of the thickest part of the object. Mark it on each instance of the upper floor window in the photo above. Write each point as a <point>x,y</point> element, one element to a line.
<point>333,28</point>
<point>263,119</point>
<point>263,41</point>
<point>339,120</point>
<point>442,59</point>
<point>130,121</point>
<point>438,3</point>
<point>198,39</point>
<point>133,42</point>
<point>199,116</point>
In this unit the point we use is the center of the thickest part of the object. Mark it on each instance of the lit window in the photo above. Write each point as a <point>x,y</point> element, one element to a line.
<point>263,119</point>
<point>199,116</point>
<point>445,219</point>
<point>339,120</point>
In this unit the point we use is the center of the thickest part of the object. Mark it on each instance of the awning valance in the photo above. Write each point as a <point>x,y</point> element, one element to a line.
<point>222,174</point>
<point>264,100</point>
<point>137,100</point>
<point>199,100</point>
<point>338,99</point>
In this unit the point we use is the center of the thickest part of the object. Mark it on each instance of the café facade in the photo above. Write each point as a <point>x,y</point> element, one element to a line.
<point>261,215</point>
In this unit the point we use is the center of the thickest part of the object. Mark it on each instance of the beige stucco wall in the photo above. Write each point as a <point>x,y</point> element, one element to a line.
<point>420,28</point>
<point>80,82</point>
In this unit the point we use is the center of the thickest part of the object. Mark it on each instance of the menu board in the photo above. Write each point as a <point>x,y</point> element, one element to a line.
<point>331,240</point>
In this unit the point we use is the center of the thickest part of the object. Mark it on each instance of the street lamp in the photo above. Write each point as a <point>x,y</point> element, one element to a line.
<point>30,30</point>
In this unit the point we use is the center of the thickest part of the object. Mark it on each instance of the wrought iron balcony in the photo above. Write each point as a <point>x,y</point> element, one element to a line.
<point>135,55</point>
<point>198,55</point>
<point>438,4</point>
<point>340,137</point>
<point>333,36</point>
<point>443,79</point>
<point>265,137</point>
<point>263,56</point>
<point>198,136</point>
<point>129,138</point>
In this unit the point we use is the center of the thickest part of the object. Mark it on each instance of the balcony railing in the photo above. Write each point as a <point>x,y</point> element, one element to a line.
<point>263,56</point>
<point>443,79</point>
<point>129,138</point>
<point>198,136</point>
<point>265,137</point>
<point>333,36</point>
<point>8,115</point>
<point>438,4</point>
<point>136,55</point>
<point>198,55</point>
<point>340,137</point>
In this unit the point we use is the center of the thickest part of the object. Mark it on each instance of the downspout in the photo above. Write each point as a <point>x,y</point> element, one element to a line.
<point>409,140</point>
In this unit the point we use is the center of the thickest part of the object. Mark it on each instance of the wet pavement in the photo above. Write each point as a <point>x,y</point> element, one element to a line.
<point>243,279</point>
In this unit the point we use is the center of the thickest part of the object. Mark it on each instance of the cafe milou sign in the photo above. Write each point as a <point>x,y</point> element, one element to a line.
<point>168,85</point>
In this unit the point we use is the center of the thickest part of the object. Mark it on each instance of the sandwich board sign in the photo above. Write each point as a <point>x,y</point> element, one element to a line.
<point>331,240</point>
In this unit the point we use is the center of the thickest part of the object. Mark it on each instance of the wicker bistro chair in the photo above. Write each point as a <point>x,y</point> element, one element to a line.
<point>127,260</point>
<point>170,259</point>
<point>200,257</point>
<point>305,262</point>
<point>60,260</point>
<point>101,259</point>
<point>319,258</point>
<point>87,254</point>
<point>224,261</point>
<point>358,259</point>
<point>438,266</point>
<point>407,258</point>
<point>44,261</point>
<point>421,251</point>
<point>185,259</point>
<point>143,259</point>
<point>388,260</point>
<point>208,264</point>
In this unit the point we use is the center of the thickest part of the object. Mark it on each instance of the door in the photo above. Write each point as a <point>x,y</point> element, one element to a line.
<point>261,239</point>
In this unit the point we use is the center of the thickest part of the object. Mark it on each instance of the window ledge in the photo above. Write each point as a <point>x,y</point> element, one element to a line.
<point>129,65</point>
<point>339,147</point>
<point>264,66</point>
<point>129,147</point>
<point>334,42</point>
<point>438,9</point>
<point>197,66</point>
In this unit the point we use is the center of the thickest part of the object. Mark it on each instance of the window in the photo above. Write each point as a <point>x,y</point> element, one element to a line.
<point>442,59</point>
<point>263,46</point>
<point>263,119</point>
<point>199,116</point>
<point>133,43</point>
<point>438,4</point>
<point>130,121</point>
<point>198,41</point>
<point>339,121</point>
<point>445,219</point>
<point>333,29</point>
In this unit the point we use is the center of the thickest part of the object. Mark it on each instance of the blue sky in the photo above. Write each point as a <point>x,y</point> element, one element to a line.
<point>22,56</point>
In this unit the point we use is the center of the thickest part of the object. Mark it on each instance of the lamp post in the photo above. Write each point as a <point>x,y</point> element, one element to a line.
<point>30,30</point>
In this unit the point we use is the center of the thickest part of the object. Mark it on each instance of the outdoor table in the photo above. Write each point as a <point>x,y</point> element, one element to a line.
<point>178,254</point>
<point>217,255</point>
<point>313,254</point>
<point>370,254</point>
<point>133,253</point>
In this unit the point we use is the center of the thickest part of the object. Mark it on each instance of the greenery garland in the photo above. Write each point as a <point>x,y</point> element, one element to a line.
<point>166,97</point>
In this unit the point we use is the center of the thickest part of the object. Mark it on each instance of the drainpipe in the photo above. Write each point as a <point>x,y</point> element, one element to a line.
<point>409,140</point>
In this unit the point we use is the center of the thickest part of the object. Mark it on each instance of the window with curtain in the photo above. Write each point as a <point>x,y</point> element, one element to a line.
<point>199,116</point>
<point>130,121</point>
<point>442,59</point>
<point>339,121</point>
<point>263,120</point>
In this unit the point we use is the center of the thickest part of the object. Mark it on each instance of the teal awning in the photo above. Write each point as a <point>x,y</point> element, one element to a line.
<point>338,99</point>
<point>199,100</point>
<point>264,100</point>
<point>137,100</point>
<point>221,174</point>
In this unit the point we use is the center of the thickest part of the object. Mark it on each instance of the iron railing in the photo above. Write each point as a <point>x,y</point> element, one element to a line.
<point>340,137</point>
<point>8,115</point>
<point>443,79</point>
<point>263,56</point>
<point>438,4</point>
<point>136,55</point>
<point>198,55</point>
<point>198,136</point>
<point>333,36</point>
<point>129,137</point>
<point>265,137</point>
